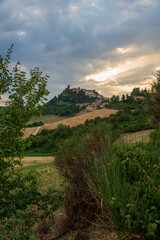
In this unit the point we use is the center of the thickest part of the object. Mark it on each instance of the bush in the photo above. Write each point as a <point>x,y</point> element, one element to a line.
<point>72,161</point>
<point>35,124</point>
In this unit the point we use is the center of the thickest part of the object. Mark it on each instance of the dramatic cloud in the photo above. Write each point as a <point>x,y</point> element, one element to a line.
<point>110,46</point>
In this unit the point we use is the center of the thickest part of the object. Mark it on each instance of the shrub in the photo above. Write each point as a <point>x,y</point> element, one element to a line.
<point>72,161</point>
<point>35,124</point>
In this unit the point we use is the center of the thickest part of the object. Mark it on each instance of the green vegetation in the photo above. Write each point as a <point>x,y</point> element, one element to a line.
<point>46,119</point>
<point>35,124</point>
<point>154,100</point>
<point>49,141</point>
<point>136,100</point>
<point>21,201</point>
<point>125,177</point>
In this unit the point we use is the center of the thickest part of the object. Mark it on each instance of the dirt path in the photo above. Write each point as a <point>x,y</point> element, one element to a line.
<point>72,121</point>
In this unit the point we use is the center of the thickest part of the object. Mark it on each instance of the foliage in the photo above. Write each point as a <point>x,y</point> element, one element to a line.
<point>137,92</point>
<point>127,179</point>
<point>19,195</point>
<point>124,178</point>
<point>20,224</point>
<point>35,124</point>
<point>72,162</point>
<point>154,100</point>
<point>130,121</point>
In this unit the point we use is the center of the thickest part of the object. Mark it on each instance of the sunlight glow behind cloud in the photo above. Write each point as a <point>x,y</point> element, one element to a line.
<point>112,76</point>
<point>109,73</point>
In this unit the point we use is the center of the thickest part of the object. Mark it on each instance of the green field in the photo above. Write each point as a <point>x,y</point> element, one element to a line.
<point>46,172</point>
<point>46,119</point>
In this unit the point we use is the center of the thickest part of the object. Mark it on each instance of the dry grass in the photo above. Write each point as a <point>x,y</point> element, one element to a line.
<point>36,160</point>
<point>74,121</point>
<point>52,118</point>
<point>136,137</point>
<point>29,131</point>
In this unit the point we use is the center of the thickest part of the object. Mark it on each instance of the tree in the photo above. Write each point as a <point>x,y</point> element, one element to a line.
<point>153,99</point>
<point>123,98</point>
<point>25,97</point>
<point>115,99</point>
<point>135,92</point>
<point>129,99</point>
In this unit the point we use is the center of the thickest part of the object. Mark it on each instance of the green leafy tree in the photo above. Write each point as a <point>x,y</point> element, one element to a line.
<point>123,98</point>
<point>135,92</point>
<point>153,99</point>
<point>24,99</point>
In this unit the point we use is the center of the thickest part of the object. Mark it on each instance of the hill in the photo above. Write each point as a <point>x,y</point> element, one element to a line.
<point>72,121</point>
<point>72,100</point>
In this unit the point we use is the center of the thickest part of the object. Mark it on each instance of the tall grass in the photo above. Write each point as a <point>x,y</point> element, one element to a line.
<point>126,179</point>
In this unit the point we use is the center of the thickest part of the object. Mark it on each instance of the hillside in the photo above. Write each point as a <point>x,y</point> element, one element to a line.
<point>72,121</point>
<point>73,100</point>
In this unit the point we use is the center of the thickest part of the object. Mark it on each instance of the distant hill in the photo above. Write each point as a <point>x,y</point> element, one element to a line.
<point>71,101</point>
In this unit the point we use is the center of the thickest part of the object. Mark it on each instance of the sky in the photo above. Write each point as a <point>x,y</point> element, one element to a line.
<point>111,46</point>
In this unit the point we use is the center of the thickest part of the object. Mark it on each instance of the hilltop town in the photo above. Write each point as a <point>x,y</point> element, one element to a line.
<point>73,100</point>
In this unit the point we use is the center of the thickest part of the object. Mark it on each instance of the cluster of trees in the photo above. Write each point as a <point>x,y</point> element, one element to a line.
<point>129,101</point>
<point>139,92</point>
<point>129,98</point>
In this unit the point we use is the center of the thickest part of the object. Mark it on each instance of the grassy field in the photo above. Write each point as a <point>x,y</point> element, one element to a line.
<point>52,118</point>
<point>48,176</point>
<point>46,119</point>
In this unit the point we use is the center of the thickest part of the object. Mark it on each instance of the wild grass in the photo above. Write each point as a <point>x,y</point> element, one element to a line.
<point>126,179</point>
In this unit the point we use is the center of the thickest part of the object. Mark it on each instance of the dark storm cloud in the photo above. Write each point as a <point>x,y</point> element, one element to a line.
<point>72,39</point>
